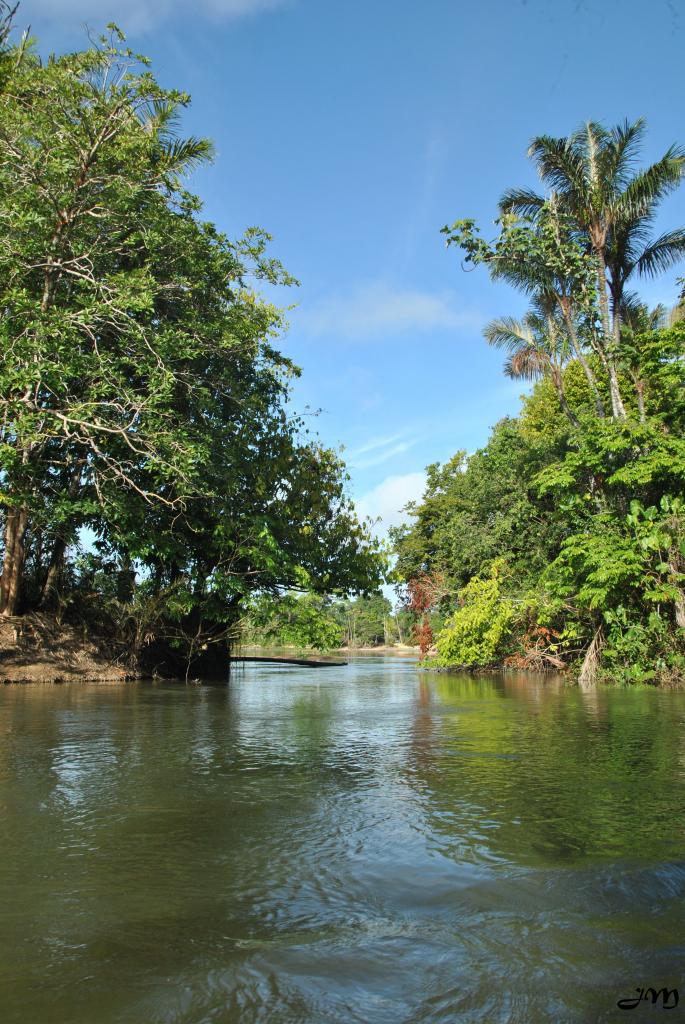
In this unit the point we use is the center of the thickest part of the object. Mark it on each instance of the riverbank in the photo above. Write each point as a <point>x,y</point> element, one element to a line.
<point>37,649</point>
<point>661,679</point>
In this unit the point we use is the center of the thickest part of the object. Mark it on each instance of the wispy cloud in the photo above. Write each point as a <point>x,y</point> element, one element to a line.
<point>383,456</point>
<point>140,15</point>
<point>389,497</point>
<point>421,212</point>
<point>377,442</point>
<point>380,309</point>
<point>379,449</point>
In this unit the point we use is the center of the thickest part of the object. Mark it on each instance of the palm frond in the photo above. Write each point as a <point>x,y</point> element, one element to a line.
<point>183,155</point>
<point>621,151</point>
<point>626,242</point>
<point>527,364</point>
<point>648,187</point>
<point>637,315</point>
<point>545,307</point>
<point>522,201</point>
<point>666,250</point>
<point>7,14</point>
<point>526,277</point>
<point>163,116</point>
<point>507,332</point>
<point>561,166</point>
<point>658,317</point>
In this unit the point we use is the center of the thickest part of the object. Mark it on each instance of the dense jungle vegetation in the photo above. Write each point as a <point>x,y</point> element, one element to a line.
<point>562,542</point>
<point>152,474</point>
<point>156,486</point>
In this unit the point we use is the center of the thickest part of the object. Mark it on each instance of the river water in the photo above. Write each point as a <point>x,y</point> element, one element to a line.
<point>361,844</point>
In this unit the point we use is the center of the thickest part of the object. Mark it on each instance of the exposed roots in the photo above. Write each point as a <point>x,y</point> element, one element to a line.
<point>590,667</point>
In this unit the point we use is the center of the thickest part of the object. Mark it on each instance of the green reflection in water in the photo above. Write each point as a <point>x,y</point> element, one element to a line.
<point>359,844</point>
<point>539,770</point>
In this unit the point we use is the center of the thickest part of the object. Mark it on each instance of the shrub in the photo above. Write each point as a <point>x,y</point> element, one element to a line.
<point>477,632</point>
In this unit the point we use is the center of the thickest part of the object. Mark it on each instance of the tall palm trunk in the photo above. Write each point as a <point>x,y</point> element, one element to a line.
<point>617,406</point>
<point>618,409</point>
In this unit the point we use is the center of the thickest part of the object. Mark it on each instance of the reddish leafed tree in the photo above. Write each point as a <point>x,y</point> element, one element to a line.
<point>424,593</point>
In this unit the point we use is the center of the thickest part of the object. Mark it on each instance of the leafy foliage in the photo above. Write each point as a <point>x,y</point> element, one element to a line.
<point>292,620</point>
<point>477,632</point>
<point>142,396</point>
<point>582,495</point>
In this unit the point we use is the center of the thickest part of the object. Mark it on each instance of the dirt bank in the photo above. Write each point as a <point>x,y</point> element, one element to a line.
<point>36,649</point>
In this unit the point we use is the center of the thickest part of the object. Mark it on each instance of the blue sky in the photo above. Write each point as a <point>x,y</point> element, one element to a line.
<point>352,132</point>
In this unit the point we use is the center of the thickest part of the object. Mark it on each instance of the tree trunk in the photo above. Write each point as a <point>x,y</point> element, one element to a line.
<point>567,410</point>
<point>591,661</point>
<point>617,407</point>
<point>603,296</point>
<point>640,391</point>
<point>676,567</point>
<point>680,610</point>
<point>60,546</point>
<point>13,560</point>
<point>54,571</point>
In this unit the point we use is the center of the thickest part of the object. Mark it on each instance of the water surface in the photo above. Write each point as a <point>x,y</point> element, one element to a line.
<point>361,844</point>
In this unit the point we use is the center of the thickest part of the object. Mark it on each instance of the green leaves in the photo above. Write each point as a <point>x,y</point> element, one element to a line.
<point>476,634</point>
<point>143,395</point>
<point>587,512</point>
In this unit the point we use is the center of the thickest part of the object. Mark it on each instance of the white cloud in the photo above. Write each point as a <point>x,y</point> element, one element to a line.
<point>138,15</point>
<point>389,497</point>
<point>381,309</point>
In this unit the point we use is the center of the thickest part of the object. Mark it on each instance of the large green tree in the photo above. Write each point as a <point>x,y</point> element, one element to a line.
<point>142,395</point>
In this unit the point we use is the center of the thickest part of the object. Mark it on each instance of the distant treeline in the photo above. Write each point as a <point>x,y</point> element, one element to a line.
<point>322,623</point>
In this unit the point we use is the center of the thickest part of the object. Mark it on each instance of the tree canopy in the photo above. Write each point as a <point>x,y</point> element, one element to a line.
<point>560,543</point>
<point>143,397</point>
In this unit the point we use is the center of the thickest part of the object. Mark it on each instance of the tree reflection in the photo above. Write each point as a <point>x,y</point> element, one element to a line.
<point>535,771</point>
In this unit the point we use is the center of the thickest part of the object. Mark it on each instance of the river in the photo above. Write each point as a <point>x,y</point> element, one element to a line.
<point>361,844</point>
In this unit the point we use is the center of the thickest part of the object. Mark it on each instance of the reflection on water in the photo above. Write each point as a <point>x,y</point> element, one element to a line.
<point>356,844</point>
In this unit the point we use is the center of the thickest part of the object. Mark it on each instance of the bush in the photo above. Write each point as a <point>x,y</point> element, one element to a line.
<point>477,633</point>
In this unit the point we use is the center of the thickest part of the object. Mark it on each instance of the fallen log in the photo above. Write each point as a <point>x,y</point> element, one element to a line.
<point>307,663</point>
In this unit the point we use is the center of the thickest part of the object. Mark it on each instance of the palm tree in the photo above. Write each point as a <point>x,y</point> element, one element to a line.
<point>591,172</point>
<point>7,14</point>
<point>548,271</point>
<point>537,345</point>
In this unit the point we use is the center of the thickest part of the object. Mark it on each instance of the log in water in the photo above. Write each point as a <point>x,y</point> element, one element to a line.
<point>307,663</point>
